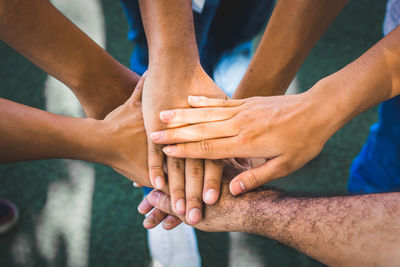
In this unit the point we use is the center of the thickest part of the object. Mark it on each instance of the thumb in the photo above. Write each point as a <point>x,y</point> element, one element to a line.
<point>137,92</point>
<point>256,177</point>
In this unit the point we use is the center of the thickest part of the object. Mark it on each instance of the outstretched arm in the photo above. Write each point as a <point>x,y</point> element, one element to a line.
<point>41,33</point>
<point>338,231</point>
<point>292,31</point>
<point>174,73</point>
<point>288,130</point>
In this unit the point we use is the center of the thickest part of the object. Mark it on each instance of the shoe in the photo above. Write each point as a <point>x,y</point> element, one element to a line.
<point>8,215</point>
<point>173,248</point>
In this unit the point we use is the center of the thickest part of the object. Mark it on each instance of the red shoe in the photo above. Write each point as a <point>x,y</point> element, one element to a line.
<point>8,215</point>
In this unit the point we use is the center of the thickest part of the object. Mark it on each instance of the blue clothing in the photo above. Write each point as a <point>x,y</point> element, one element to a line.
<point>377,168</point>
<point>221,26</point>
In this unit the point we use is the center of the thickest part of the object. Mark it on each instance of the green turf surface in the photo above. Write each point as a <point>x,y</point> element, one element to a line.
<point>116,237</point>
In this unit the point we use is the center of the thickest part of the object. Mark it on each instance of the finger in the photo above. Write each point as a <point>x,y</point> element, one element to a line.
<point>155,161</point>
<point>171,222</point>
<point>212,180</point>
<point>196,115</point>
<point>154,218</point>
<point>176,180</point>
<point>202,101</point>
<point>145,206</point>
<point>208,149</point>
<point>161,201</point>
<point>137,185</point>
<point>137,92</point>
<point>196,132</point>
<point>194,174</point>
<point>251,179</point>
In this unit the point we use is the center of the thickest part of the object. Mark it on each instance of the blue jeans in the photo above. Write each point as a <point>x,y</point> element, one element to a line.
<point>223,25</point>
<point>377,168</point>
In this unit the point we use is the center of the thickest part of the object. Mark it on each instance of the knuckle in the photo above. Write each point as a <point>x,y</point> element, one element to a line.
<point>177,192</point>
<point>205,146</point>
<point>244,137</point>
<point>196,172</point>
<point>165,204</point>
<point>177,164</point>
<point>212,183</point>
<point>214,163</point>
<point>255,178</point>
<point>194,199</point>
<point>156,151</point>
<point>156,167</point>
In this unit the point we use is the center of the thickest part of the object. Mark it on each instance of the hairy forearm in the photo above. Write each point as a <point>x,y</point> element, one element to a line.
<point>31,134</point>
<point>170,32</point>
<point>294,28</point>
<point>338,231</point>
<point>41,33</point>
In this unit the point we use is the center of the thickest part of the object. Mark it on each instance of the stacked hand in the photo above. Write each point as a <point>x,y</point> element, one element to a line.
<point>228,214</point>
<point>278,129</point>
<point>188,183</point>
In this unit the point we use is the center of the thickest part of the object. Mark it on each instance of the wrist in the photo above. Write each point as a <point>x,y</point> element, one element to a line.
<point>174,58</point>
<point>102,89</point>
<point>331,104</point>
<point>90,141</point>
<point>252,211</point>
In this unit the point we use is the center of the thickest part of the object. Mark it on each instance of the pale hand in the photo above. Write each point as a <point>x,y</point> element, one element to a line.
<point>285,130</point>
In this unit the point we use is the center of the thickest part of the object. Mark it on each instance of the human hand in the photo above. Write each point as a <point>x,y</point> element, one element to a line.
<point>289,131</point>
<point>230,213</point>
<point>122,144</point>
<point>164,91</point>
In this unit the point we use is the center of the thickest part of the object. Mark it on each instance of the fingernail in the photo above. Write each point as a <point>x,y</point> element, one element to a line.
<point>159,181</point>
<point>153,198</point>
<point>135,184</point>
<point>194,99</point>
<point>210,196</point>
<point>167,223</point>
<point>194,216</point>
<point>167,115</point>
<point>141,206</point>
<point>150,220</point>
<point>169,149</point>
<point>156,136</point>
<point>237,188</point>
<point>180,206</point>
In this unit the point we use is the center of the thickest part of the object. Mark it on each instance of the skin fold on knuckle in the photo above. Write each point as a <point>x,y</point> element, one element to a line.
<point>212,183</point>
<point>177,164</point>
<point>155,151</point>
<point>178,193</point>
<point>205,147</point>
<point>194,201</point>
<point>165,204</point>
<point>195,172</point>
<point>255,179</point>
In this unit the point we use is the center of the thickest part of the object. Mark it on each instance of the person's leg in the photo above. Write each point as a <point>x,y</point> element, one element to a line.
<point>8,215</point>
<point>377,168</point>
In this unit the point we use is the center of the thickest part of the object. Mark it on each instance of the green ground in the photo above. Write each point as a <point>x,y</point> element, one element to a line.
<point>115,235</point>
